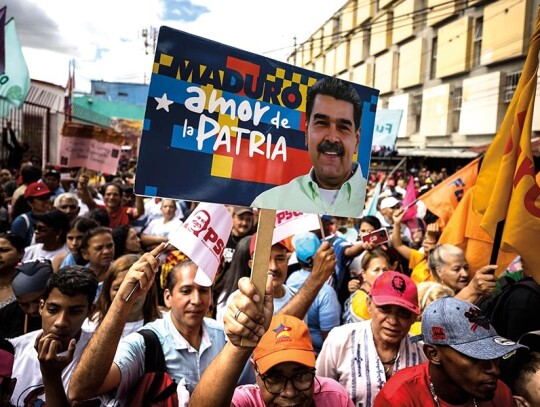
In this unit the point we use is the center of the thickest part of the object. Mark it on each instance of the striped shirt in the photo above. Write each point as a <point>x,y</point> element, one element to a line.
<point>349,356</point>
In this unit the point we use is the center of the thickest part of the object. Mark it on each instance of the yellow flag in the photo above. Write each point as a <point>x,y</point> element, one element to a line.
<point>463,230</point>
<point>506,188</point>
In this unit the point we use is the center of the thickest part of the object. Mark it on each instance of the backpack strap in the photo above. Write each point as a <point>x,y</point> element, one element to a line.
<point>154,359</point>
<point>26,220</point>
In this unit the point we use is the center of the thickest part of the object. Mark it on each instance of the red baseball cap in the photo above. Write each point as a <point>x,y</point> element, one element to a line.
<point>394,288</point>
<point>6,364</point>
<point>36,189</point>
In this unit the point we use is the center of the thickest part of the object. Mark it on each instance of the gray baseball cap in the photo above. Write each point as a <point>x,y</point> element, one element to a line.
<point>462,326</point>
<point>31,276</point>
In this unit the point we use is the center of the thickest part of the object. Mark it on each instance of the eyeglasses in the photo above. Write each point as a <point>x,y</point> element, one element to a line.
<point>275,384</point>
<point>64,207</point>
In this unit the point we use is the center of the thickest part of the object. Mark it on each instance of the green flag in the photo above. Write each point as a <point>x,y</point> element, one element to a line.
<point>15,82</point>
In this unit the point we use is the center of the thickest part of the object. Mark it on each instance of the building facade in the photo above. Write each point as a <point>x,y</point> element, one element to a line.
<point>451,66</point>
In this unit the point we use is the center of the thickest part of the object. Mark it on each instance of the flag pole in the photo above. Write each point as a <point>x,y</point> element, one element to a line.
<point>497,242</point>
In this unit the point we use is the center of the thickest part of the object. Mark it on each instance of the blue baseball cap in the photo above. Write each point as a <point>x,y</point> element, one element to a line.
<point>306,245</point>
<point>462,326</point>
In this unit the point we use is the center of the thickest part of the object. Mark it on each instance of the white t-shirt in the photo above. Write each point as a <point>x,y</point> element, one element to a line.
<point>36,251</point>
<point>158,228</point>
<point>29,389</point>
<point>90,325</point>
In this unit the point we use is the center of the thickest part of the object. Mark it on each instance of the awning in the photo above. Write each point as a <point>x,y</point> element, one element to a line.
<point>535,147</point>
<point>437,152</point>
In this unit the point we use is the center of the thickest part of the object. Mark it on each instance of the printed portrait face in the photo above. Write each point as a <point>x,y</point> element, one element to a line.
<point>199,222</point>
<point>332,140</point>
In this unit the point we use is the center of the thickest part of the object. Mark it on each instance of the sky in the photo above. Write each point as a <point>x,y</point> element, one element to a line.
<point>104,37</point>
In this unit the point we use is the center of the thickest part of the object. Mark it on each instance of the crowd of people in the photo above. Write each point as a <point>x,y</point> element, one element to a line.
<point>344,321</point>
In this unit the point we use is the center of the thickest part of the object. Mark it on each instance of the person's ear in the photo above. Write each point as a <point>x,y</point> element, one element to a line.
<point>250,263</point>
<point>520,401</point>
<point>41,306</point>
<point>432,353</point>
<point>167,298</point>
<point>306,133</point>
<point>357,139</point>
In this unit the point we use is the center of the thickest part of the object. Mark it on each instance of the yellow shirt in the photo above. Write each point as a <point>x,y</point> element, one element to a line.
<point>419,266</point>
<point>359,306</point>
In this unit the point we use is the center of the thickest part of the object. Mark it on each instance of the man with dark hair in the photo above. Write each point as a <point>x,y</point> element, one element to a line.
<point>111,367</point>
<point>526,384</point>
<point>41,367</point>
<point>463,352</point>
<point>52,180</point>
<point>335,185</point>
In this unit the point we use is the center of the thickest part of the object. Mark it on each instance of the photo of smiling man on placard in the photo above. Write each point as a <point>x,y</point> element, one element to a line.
<point>227,126</point>
<point>335,184</point>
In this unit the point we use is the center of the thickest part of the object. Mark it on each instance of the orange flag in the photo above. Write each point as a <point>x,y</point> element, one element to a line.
<point>463,230</point>
<point>444,198</point>
<point>506,188</point>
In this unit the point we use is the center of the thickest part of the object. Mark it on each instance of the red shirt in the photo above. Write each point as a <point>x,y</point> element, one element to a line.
<point>410,388</point>
<point>121,217</point>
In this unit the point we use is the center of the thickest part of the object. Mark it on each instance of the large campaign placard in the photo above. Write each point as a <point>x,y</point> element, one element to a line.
<point>223,125</point>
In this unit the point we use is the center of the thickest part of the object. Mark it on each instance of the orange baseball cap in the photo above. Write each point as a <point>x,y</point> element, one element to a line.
<point>287,340</point>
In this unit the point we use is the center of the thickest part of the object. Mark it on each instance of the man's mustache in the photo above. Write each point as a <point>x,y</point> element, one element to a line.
<point>329,147</point>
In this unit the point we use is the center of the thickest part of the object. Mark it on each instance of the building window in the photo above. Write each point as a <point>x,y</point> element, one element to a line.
<point>336,30</point>
<point>477,44</point>
<point>417,109</point>
<point>457,98</point>
<point>100,92</point>
<point>122,94</point>
<point>433,71</point>
<point>510,86</point>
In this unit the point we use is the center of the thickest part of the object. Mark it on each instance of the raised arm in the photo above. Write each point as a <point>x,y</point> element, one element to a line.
<point>139,207</point>
<point>226,368</point>
<point>96,374</point>
<point>83,192</point>
<point>357,248</point>
<point>324,263</point>
<point>397,243</point>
